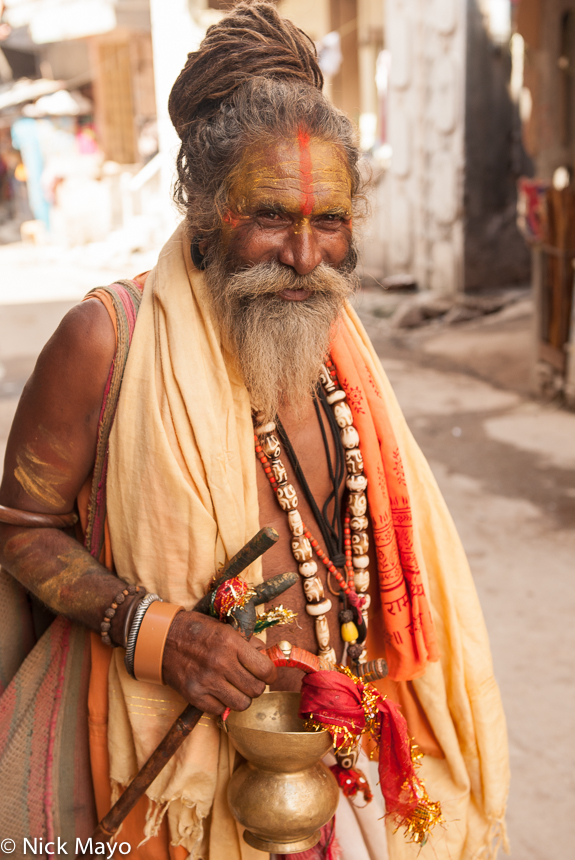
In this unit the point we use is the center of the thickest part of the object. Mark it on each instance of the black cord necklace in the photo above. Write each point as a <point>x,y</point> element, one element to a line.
<point>331,527</point>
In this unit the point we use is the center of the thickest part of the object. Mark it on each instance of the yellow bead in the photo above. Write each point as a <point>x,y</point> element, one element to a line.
<point>349,632</point>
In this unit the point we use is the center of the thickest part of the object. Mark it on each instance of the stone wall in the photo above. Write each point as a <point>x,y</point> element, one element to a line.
<point>450,196</point>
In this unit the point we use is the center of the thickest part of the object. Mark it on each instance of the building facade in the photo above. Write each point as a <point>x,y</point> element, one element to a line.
<point>450,197</point>
<point>547,32</point>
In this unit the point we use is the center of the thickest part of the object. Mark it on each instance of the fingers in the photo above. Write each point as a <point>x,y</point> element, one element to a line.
<point>210,705</point>
<point>245,682</point>
<point>257,663</point>
<point>216,699</point>
<point>233,698</point>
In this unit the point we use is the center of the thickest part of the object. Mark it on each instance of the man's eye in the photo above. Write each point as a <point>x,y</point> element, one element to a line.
<point>270,216</point>
<point>331,218</point>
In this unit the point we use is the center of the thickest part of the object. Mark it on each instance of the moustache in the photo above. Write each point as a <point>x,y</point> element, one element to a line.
<point>271,278</point>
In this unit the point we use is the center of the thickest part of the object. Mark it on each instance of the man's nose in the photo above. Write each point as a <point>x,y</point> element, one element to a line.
<point>301,251</point>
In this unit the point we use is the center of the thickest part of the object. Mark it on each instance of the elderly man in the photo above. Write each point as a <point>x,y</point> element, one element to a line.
<point>250,396</point>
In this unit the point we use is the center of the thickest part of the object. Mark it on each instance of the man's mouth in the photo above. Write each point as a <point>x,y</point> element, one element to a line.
<point>295,295</point>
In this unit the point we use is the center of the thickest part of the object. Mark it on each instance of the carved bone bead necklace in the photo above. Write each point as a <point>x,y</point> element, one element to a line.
<point>355,583</point>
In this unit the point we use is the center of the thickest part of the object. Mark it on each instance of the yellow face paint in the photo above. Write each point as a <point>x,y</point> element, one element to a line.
<point>304,178</point>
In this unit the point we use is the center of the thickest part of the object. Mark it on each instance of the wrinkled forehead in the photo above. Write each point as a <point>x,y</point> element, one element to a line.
<point>301,166</point>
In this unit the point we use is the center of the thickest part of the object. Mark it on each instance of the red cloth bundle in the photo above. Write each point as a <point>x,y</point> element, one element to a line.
<point>228,596</point>
<point>347,708</point>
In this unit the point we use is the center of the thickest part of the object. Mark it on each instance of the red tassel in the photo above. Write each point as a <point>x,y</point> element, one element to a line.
<point>351,781</point>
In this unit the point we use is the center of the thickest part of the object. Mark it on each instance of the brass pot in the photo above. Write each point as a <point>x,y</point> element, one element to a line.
<point>283,794</point>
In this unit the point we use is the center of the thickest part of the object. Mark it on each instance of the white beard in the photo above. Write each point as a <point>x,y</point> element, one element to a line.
<point>280,345</point>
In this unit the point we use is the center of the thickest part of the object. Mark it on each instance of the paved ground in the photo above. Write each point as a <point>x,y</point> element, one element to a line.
<point>505,464</point>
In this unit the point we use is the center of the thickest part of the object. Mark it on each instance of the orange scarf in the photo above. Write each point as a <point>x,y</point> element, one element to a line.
<point>410,633</point>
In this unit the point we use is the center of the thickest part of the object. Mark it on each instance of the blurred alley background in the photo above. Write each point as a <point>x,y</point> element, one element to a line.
<point>466,118</point>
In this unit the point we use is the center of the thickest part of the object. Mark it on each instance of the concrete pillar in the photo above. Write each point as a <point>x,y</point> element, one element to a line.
<point>451,190</point>
<point>426,132</point>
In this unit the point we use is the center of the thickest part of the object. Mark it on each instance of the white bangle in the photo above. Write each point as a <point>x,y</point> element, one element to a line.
<point>135,629</point>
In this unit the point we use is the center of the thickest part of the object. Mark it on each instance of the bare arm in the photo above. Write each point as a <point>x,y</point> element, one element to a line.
<point>50,453</point>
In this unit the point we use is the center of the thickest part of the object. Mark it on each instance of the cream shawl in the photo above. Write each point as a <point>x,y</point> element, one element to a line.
<point>182,498</point>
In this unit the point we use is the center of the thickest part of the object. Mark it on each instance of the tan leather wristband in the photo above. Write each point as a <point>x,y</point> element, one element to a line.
<point>151,641</point>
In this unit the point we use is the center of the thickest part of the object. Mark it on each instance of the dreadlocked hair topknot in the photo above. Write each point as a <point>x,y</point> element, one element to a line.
<point>254,79</point>
<point>252,41</point>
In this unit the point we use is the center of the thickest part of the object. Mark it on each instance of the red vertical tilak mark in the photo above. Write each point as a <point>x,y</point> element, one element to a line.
<point>230,219</point>
<point>306,175</point>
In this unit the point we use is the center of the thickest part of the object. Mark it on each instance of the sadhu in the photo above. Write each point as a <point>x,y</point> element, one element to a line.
<point>233,387</point>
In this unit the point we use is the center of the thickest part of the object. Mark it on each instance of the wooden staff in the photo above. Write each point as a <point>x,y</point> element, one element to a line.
<point>190,716</point>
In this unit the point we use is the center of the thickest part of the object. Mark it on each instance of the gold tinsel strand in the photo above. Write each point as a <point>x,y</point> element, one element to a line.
<point>427,814</point>
<point>419,824</point>
<point>422,820</point>
<point>279,615</point>
<point>274,617</point>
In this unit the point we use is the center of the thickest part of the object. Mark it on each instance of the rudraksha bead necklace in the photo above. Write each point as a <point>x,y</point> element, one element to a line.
<point>355,583</point>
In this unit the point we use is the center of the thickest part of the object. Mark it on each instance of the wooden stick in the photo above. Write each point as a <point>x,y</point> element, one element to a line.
<point>259,544</point>
<point>175,737</point>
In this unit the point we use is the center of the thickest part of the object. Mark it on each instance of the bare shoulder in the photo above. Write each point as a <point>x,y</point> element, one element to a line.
<point>85,330</point>
<point>54,433</point>
<point>75,363</point>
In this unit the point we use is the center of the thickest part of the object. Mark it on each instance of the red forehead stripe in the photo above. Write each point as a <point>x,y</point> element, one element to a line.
<point>305,164</point>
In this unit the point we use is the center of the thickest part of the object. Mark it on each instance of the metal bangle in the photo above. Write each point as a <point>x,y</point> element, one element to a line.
<point>135,629</point>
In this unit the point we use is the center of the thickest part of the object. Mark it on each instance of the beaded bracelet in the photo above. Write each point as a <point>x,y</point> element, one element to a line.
<point>111,611</point>
<point>135,629</point>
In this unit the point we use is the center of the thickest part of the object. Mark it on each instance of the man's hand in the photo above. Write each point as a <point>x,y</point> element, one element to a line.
<point>211,666</point>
